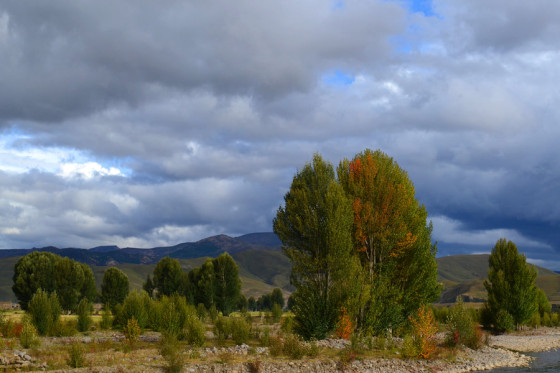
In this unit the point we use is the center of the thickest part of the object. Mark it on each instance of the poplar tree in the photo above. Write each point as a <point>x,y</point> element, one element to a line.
<point>391,236</point>
<point>511,283</point>
<point>168,276</point>
<point>315,226</point>
<point>114,287</point>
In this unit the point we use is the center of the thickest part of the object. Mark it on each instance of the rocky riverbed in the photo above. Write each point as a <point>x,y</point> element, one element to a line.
<point>503,351</point>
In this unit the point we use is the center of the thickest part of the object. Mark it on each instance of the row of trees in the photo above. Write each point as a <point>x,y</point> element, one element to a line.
<point>215,283</point>
<point>358,241</point>
<point>71,280</point>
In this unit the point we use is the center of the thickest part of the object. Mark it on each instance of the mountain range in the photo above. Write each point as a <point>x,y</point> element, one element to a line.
<point>262,265</point>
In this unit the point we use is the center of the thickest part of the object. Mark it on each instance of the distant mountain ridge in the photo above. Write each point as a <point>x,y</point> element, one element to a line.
<point>207,247</point>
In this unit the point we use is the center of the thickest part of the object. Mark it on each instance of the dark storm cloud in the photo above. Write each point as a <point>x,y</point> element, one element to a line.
<point>149,123</point>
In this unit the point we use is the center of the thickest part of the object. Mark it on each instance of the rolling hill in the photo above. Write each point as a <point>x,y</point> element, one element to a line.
<point>262,266</point>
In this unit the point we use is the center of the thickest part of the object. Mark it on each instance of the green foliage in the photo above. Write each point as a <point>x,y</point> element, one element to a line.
<point>503,321</point>
<point>287,324</point>
<point>76,355</point>
<point>66,328</point>
<point>168,277</point>
<point>173,315</point>
<point>227,283</point>
<point>136,304</point>
<point>28,336</point>
<point>106,318</point>
<point>213,313</point>
<point>201,311</point>
<point>543,305</point>
<point>169,349</point>
<point>276,312</point>
<point>149,286</point>
<point>554,319</point>
<point>315,227</point>
<point>277,297</point>
<point>222,328</point>
<point>132,331</point>
<point>265,337</point>
<point>511,283</point>
<point>84,315</point>
<point>535,321</point>
<point>240,330</point>
<point>194,330</point>
<point>44,311</point>
<point>462,329</point>
<point>114,287</point>
<point>409,348</point>
<point>32,272</point>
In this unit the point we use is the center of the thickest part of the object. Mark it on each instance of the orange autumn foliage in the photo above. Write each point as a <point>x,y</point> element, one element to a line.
<point>345,327</point>
<point>425,329</point>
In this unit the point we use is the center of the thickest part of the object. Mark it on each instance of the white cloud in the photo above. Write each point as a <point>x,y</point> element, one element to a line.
<point>87,170</point>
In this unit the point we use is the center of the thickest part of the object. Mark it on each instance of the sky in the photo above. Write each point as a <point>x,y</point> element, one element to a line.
<point>147,123</point>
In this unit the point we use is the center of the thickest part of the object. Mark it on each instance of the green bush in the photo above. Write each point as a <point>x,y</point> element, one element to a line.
<point>276,312</point>
<point>276,346</point>
<point>132,331</point>
<point>174,314</point>
<point>84,318</point>
<point>201,311</point>
<point>106,318</point>
<point>265,337</point>
<point>222,328</point>
<point>76,355</point>
<point>213,313</point>
<point>546,319</point>
<point>169,349</point>
<point>503,321</point>
<point>136,304</point>
<point>535,321</point>
<point>554,319</point>
<point>409,349</point>
<point>240,330</point>
<point>45,311</point>
<point>28,337</point>
<point>462,329</point>
<point>194,331</point>
<point>293,347</point>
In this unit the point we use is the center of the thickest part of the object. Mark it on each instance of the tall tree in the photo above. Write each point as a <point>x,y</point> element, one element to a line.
<point>391,235</point>
<point>227,283</point>
<point>32,272</point>
<point>69,280</point>
<point>315,227</point>
<point>511,283</point>
<point>168,277</point>
<point>114,287</point>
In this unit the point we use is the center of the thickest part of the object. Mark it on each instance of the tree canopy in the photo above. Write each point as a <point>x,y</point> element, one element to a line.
<point>114,287</point>
<point>511,283</point>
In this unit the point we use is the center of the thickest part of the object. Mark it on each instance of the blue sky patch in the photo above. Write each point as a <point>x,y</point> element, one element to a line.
<point>338,78</point>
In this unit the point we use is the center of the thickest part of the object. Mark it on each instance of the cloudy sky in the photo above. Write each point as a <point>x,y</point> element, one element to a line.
<point>145,123</point>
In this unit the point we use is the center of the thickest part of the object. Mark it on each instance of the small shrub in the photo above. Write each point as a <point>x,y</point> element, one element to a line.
<point>65,328</point>
<point>461,327</point>
<point>84,318</point>
<point>222,328</point>
<point>546,319</point>
<point>136,304</point>
<point>344,328</point>
<point>265,337</point>
<point>554,319</point>
<point>28,337</point>
<point>240,330</point>
<point>293,347</point>
<point>225,357</point>
<point>174,312</point>
<point>535,321</point>
<point>132,331</point>
<point>276,346</point>
<point>194,331</point>
<point>503,321</point>
<point>409,348</point>
<point>254,366</point>
<point>276,312</point>
<point>424,329</point>
<point>106,318</point>
<point>287,324</point>
<point>201,311</point>
<point>44,310</point>
<point>76,354</point>
<point>213,313</point>
<point>169,349</point>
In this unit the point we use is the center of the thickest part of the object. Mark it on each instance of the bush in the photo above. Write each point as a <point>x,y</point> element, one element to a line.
<point>201,311</point>
<point>287,324</point>
<point>265,337</point>
<point>554,319</point>
<point>293,347</point>
<point>132,331</point>
<point>84,318</point>
<point>546,319</point>
<point>535,321</point>
<point>65,328</point>
<point>424,329</point>
<point>76,355</point>
<point>174,314</point>
<point>344,328</point>
<point>106,318</point>
<point>503,321</point>
<point>276,346</point>
<point>239,330</point>
<point>28,336</point>
<point>409,348</point>
<point>136,304</point>
<point>276,312</point>
<point>222,328</point>
<point>462,328</point>
<point>44,310</point>
<point>213,313</point>
<point>169,349</point>
<point>194,331</point>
